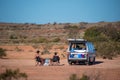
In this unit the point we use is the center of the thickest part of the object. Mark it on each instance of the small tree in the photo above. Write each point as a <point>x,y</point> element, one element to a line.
<point>2,52</point>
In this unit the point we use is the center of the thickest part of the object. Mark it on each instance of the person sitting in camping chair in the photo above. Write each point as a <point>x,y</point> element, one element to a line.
<point>39,60</point>
<point>55,59</point>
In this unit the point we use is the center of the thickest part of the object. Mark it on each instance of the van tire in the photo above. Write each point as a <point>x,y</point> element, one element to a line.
<point>91,62</point>
<point>70,62</point>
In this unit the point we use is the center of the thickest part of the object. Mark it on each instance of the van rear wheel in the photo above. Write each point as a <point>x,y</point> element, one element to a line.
<point>91,61</point>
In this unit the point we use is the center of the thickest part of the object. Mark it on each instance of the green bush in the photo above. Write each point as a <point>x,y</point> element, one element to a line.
<point>40,40</point>
<point>84,77</point>
<point>73,77</point>
<point>2,52</point>
<point>10,74</point>
<point>108,49</point>
<point>104,33</point>
<point>56,39</point>
<point>73,31</point>
<point>13,37</point>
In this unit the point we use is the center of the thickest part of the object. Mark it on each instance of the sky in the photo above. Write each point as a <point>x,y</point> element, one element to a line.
<point>59,11</point>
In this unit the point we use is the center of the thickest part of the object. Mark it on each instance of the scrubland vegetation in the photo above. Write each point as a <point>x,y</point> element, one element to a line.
<point>104,35</point>
<point>10,74</point>
<point>106,40</point>
<point>2,52</point>
<point>93,76</point>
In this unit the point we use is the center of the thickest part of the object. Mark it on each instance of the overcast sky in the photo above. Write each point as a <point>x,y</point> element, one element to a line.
<point>60,11</point>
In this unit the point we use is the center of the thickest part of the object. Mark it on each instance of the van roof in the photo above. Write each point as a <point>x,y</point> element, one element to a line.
<point>76,40</point>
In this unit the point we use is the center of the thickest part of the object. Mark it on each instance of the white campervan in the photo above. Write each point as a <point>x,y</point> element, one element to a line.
<point>80,50</point>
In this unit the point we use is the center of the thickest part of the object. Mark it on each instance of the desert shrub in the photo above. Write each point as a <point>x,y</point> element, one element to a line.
<point>2,52</point>
<point>73,77</point>
<point>68,27</point>
<point>84,77</point>
<point>18,49</point>
<point>63,55</point>
<point>56,39</point>
<point>13,37</point>
<point>54,23</point>
<point>23,37</point>
<point>15,41</point>
<point>40,40</point>
<point>33,41</point>
<point>73,31</point>
<point>108,49</point>
<point>93,34</point>
<point>104,33</point>
<point>111,32</point>
<point>10,74</point>
<point>82,27</point>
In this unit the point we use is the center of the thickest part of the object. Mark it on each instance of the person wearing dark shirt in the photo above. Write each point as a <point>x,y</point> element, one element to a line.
<point>56,58</point>
<point>38,59</point>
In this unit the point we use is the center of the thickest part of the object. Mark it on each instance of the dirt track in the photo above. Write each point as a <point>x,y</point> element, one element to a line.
<point>107,69</point>
<point>103,69</point>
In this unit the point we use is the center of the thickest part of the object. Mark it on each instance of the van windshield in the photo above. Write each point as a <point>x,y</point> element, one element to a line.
<point>77,46</point>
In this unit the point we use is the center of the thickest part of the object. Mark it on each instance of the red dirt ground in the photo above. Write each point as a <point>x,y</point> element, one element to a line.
<point>24,60</point>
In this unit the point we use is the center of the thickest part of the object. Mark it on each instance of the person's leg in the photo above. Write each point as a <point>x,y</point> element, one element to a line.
<point>51,62</point>
<point>42,61</point>
<point>37,63</point>
<point>59,61</point>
